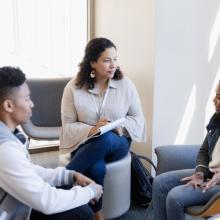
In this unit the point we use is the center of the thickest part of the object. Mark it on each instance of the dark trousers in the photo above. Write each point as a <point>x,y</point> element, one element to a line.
<point>80,213</point>
<point>91,158</point>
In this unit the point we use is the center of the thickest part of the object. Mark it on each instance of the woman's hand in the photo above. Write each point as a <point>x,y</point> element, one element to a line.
<point>100,123</point>
<point>118,131</point>
<point>196,180</point>
<point>214,181</point>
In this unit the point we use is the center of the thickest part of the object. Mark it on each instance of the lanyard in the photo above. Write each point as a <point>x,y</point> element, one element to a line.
<point>99,108</point>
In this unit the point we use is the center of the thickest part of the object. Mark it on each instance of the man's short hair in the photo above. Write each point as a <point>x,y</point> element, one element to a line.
<point>10,79</point>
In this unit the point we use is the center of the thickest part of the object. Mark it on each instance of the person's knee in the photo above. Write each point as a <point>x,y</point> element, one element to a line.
<point>104,143</point>
<point>165,182</point>
<point>173,200</point>
<point>108,137</point>
<point>97,171</point>
<point>158,183</point>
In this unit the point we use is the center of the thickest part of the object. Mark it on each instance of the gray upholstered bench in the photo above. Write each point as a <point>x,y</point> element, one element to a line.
<point>176,157</point>
<point>45,125</point>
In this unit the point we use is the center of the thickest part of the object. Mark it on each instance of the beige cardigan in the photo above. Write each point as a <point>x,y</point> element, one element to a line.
<point>80,110</point>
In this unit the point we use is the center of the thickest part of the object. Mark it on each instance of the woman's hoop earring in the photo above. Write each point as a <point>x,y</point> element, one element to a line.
<point>92,74</point>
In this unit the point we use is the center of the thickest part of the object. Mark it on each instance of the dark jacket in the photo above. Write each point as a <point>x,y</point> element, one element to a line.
<point>205,152</point>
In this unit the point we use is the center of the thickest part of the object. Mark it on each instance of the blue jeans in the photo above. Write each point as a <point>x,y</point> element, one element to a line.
<point>91,157</point>
<point>80,213</point>
<point>171,196</point>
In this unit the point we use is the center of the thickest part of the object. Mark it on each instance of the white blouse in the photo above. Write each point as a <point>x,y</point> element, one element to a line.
<point>215,162</point>
<point>82,108</point>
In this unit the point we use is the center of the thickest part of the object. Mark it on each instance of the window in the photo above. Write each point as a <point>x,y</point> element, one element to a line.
<point>45,38</point>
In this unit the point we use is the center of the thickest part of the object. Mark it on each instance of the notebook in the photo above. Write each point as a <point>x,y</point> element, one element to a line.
<point>110,126</point>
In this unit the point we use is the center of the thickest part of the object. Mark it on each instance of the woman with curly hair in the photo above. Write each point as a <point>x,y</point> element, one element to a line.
<point>100,93</point>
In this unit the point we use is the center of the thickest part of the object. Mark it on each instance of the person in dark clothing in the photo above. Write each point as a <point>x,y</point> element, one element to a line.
<point>175,190</point>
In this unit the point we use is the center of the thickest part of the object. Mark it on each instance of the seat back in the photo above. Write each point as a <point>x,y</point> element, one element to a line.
<point>176,157</point>
<point>46,95</point>
<point>10,208</point>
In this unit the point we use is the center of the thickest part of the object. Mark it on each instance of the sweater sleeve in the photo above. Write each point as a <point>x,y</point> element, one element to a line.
<point>73,132</point>
<point>135,122</point>
<point>202,161</point>
<point>21,179</point>
<point>56,177</point>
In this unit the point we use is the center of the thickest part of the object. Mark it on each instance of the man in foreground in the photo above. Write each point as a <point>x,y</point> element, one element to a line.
<point>31,185</point>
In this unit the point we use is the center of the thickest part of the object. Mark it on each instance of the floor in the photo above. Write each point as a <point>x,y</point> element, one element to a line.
<point>134,213</point>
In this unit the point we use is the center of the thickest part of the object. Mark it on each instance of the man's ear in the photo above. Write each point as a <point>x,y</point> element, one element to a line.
<point>8,105</point>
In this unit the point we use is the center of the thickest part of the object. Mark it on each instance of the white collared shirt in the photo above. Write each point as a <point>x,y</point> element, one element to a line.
<point>82,108</point>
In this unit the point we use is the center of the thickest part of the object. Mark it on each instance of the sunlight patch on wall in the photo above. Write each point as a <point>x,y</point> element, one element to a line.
<point>187,118</point>
<point>215,33</point>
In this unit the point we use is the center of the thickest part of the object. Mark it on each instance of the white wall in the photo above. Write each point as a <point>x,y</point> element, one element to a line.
<point>176,87</point>
<point>130,25</point>
<point>186,69</point>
